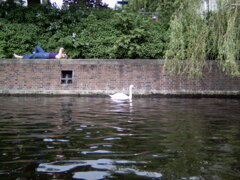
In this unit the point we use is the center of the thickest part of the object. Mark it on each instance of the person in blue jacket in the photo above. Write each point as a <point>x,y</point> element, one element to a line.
<point>39,53</point>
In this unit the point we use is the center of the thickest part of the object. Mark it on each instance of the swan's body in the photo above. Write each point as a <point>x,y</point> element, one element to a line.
<point>121,96</point>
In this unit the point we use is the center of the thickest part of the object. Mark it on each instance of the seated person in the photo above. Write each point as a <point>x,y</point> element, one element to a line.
<point>39,53</point>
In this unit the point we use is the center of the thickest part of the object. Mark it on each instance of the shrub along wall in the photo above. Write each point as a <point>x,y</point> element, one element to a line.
<point>83,32</point>
<point>102,77</point>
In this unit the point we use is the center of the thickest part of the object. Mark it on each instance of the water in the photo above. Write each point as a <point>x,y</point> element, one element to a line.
<point>96,138</point>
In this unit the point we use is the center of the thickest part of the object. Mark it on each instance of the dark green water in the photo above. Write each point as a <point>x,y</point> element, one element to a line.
<point>96,138</point>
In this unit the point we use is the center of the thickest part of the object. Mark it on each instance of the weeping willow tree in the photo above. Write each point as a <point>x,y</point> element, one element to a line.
<point>186,52</point>
<point>227,32</point>
<point>195,37</point>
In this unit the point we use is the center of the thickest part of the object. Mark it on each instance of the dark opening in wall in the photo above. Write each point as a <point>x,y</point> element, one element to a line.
<point>66,77</point>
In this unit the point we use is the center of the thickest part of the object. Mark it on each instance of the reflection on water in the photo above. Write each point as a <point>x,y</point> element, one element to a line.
<point>97,138</point>
<point>104,168</point>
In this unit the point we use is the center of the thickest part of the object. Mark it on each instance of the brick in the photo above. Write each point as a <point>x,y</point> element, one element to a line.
<point>107,76</point>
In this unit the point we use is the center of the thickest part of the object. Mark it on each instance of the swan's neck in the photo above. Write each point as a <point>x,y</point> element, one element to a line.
<point>130,93</point>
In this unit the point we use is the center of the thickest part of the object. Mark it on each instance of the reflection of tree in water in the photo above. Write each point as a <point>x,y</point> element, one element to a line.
<point>66,111</point>
<point>65,115</point>
<point>197,137</point>
<point>183,143</point>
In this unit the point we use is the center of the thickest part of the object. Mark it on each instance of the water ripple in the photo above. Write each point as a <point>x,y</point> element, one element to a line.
<point>91,138</point>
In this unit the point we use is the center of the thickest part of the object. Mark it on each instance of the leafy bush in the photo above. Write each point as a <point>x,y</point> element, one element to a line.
<point>17,38</point>
<point>83,32</point>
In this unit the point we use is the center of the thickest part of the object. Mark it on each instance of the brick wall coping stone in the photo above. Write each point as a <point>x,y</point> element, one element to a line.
<point>82,61</point>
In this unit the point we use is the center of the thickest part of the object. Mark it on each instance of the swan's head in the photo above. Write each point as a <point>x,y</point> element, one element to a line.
<point>131,86</point>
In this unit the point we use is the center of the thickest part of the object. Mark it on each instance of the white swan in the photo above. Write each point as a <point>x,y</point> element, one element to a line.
<point>121,96</point>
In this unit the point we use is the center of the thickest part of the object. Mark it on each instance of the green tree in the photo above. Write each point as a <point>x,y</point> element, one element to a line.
<point>194,38</point>
<point>153,5</point>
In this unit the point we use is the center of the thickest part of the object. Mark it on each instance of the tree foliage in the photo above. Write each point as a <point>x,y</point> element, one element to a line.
<point>195,37</point>
<point>83,32</point>
<point>186,51</point>
<point>227,38</point>
<point>91,3</point>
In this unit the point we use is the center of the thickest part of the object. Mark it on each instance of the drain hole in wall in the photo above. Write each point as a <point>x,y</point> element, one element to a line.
<point>66,77</point>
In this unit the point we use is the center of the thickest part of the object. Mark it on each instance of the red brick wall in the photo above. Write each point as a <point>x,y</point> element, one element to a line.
<point>107,76</point>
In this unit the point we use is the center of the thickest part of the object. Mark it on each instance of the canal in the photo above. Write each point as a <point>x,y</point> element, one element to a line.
<point>97,138</point>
